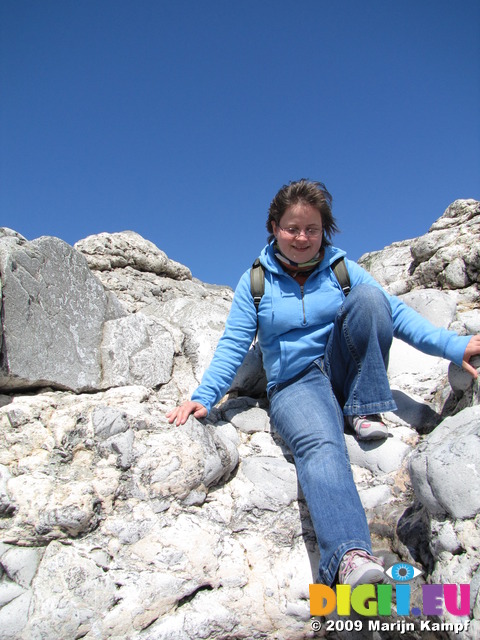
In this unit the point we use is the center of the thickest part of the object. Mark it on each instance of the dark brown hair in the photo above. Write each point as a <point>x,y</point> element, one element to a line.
<point>310,192</point>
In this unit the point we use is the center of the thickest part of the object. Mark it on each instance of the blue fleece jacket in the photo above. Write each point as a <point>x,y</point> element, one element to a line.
<point>294,323</point>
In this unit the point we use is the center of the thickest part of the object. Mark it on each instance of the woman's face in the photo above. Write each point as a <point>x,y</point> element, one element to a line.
<point>303,242</point>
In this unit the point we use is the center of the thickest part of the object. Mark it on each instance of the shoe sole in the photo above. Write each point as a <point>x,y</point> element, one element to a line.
<point>371,576</point>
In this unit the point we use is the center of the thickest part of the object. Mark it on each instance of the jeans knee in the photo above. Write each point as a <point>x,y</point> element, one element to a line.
<point>369,301</point>
<point>367,293</point>
<point>366,313</point>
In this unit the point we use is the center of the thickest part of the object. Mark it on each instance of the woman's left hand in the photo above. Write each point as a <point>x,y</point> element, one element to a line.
<point>473,349</point>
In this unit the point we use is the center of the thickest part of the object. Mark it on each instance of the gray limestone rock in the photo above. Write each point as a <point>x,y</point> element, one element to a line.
<point>70,589</point>
<point>107,251</point>
<point>460,380</point>
<point>136,349</point>
<point>447,256</point>
<point>379,456</point>
<point>390,266</point>
<point>436,306</point>
<point>445,468</point>
<point>7,507</point>
<point>53,312</point>
<point>274,482</point>
<point>248,420</point>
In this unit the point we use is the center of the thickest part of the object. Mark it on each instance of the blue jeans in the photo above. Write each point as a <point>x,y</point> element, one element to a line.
<point>308,413</point>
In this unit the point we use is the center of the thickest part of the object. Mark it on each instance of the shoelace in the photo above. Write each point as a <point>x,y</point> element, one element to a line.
<point>350,563</point>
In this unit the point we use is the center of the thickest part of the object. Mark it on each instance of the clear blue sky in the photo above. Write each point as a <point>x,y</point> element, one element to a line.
<point>180,119</point>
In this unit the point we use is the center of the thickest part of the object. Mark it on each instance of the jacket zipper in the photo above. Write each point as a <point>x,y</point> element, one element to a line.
<point>303,299</point>
<point>303,304</point>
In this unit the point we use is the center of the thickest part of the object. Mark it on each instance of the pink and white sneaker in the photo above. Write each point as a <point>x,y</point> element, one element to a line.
<point>368,427</point>
<point>359,567</point>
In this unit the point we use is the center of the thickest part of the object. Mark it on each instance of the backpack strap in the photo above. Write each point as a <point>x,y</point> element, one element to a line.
<point>257,282</point>
<point>341,273</point>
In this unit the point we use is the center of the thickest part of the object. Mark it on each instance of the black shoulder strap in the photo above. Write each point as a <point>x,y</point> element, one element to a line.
<point>341,273</point>
<point>257,282</point>
<point>257,279</point>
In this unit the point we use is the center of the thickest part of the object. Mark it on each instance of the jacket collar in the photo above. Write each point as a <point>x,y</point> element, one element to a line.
<point>267,258</point>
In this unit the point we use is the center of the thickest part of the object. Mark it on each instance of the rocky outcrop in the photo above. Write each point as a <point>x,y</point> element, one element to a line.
<point>447,257</point>
<point>441,467</point>
<point>115,524</point>
<point>109,251</point>
<point>148,283</point>
<point>53,313</point>
<point>62,328</point>
<point>421,272</point>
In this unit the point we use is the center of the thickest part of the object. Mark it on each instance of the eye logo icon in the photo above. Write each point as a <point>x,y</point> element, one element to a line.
<point>403,572</point>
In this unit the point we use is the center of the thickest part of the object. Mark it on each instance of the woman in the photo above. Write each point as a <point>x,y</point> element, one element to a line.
<point>325,356</point>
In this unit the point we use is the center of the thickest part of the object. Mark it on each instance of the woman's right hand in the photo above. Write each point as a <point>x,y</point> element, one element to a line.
<point>471,353</point>
<point>183,411</point>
